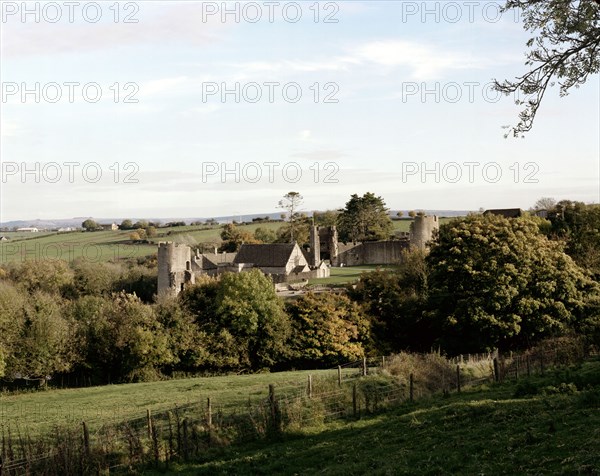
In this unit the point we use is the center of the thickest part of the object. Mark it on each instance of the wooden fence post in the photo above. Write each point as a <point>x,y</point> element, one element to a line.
<point>528,364</point>
<point>364,369</point>
<point>149,423</point>
<point>275,421</point>
<point>185,439</point>
<point>339,375</point>
<point>155,446</point>
<point>411,388</point>
<point>517,367</point>
<point>208,413</point>
<point>86,440</point>
<point>458,378</point>
<point>354,402</point>
<point>382,362</point>
<point>496,371</point>
<point>310,386</point>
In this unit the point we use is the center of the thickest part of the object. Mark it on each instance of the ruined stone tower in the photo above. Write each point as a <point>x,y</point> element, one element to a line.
<point>323,244</point>
<point>174,268</point>
<point>422,230</point>
<point>315,247</point>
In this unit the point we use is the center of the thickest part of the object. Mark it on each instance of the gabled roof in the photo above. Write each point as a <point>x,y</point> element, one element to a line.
<point>275,255</point>
<point>505,212</point>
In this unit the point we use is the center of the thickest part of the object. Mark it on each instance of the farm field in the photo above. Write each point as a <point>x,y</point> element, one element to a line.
<point>544,425</point>
<point>101,246</point>
<point>37,412</point>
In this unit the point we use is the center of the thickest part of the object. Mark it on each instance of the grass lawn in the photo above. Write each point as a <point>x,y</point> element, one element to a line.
<point>38,411</point>
<point>482,431</point>
<point>347,274</point>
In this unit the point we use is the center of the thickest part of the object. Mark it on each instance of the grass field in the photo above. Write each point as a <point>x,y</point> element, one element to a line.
<point>37,411</point>
<point>347,275</point>
<point>538,426</point>
<point>102,246</point>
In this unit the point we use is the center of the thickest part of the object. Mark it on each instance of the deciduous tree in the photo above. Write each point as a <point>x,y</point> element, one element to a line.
<point>499,282</point>
<point>564,48</point>
<point>327,329</point>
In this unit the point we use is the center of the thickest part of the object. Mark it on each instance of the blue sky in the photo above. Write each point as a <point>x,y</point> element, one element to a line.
<point>410,83</point>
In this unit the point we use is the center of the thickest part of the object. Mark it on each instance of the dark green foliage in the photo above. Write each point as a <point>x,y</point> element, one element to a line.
<point>395,301</point>
<point>498,282</point>
<point>244,320</point>
<point>364,219</point>
<point>578,225</point>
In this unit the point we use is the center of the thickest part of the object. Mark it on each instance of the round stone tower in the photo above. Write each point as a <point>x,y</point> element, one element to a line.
<point>422,229</point>
<point>174,267</point>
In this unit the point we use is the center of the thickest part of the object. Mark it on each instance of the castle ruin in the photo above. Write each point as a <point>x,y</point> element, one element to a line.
<point>286,262</point>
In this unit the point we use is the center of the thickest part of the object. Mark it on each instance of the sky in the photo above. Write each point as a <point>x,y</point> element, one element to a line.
<point>200,109</point>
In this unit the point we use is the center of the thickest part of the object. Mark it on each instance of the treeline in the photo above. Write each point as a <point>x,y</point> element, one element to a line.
<point>103,323</point>
<point>488,282</point>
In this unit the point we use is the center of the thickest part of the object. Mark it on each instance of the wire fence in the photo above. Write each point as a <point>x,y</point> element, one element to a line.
<point>184,432</point>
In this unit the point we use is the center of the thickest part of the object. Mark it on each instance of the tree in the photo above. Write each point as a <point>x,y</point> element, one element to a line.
<point>545,203</point>
<point>326,218</point>
<point>412,214</point>
<point>47,343</point>
<point>265,235</point>
<point>151,232</point>
<point>12,308</point>
<point>95,278</point>
<point>578,225</point>
<point>90,225</point>
<point>395,301</point>
<point>249,309</point>
<point>233,237</point>
<point>400,214</point>
<point>126,225</point>
<point>291,202</point>
<point>53,276</point>
<point>564,48</point>
<point>327,329</point>
<point>498,282</point>
<point>364,219</point>
<point>122,338</point>
<point>186,342</point>
<point>301,231</point>
<point>140,224</point>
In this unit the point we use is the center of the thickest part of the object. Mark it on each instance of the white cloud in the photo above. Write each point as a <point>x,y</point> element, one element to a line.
<point>305,134</point>
<point>424,61</point>
<point>159,23</point>
<point>8,129</point>
<point>158,86</point>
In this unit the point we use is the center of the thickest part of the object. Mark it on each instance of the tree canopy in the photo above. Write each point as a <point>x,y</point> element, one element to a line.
<point>364,219</point>
<point>498,282</point>
<point>564,47</point>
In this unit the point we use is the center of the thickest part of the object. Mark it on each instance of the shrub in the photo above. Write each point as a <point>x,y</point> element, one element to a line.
<point>431,372</point>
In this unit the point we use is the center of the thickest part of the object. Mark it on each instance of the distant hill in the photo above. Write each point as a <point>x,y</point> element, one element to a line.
<point>76,221</point>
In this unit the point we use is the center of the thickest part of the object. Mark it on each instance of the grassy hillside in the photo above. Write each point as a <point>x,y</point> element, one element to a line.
<point>544,425</point>
<point>37,412</point>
